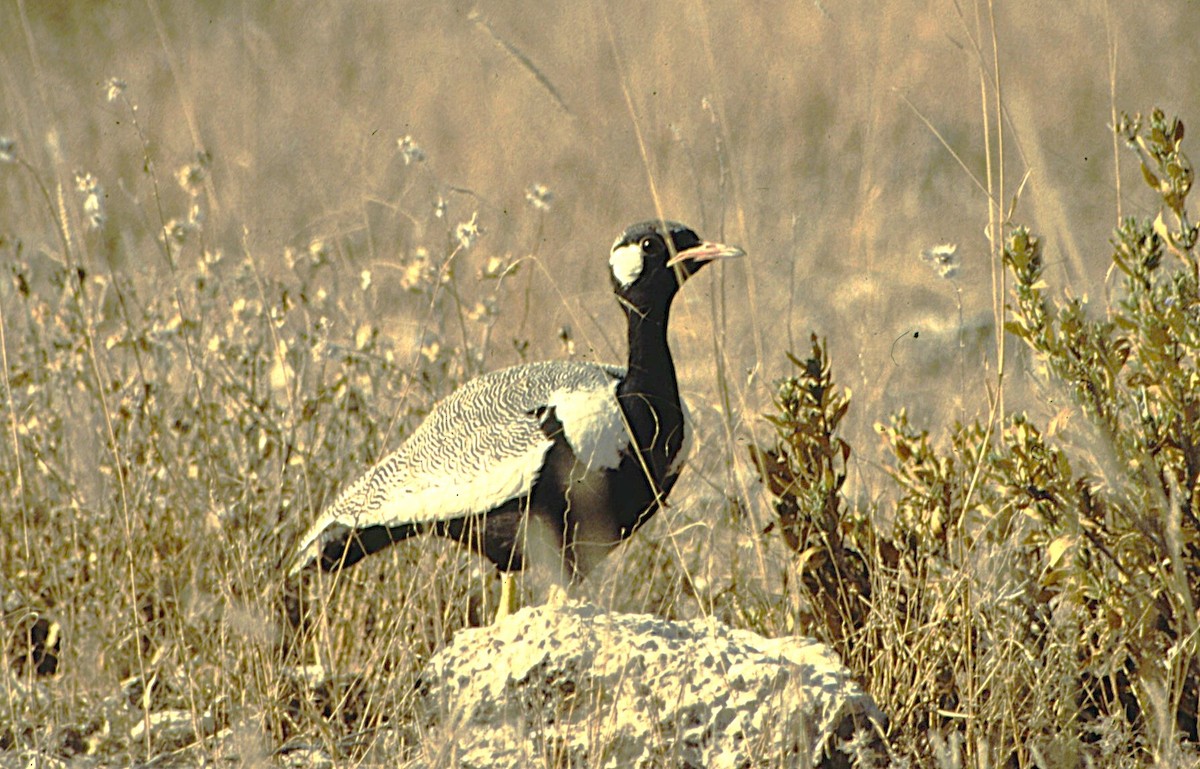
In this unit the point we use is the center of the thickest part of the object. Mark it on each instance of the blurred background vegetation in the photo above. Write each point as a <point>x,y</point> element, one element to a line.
<point>830,178</point>
<point>246,245</point>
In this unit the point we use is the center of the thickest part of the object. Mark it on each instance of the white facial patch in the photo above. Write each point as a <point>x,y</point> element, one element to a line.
<point>626,263</point>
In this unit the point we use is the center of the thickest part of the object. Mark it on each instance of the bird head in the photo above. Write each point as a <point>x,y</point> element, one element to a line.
<point>651,260</point>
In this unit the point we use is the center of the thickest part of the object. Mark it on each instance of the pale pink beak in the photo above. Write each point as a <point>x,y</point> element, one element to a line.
<point>705,252</point>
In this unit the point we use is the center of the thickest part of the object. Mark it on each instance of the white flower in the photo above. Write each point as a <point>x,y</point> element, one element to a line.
<point>114,88</point>
<point>209,259</point>
<point>417,272</point>
<point>540,197</point>
<point>176,231</point>
<point>318,249</point>
<point>191,178</point>
<point>468,232</point>
<point>86,183</point>
<point>494,268</point>
<point>93,204</point>
<point>363,336</point>
<point>411,151</point>
<point>943,259</point>
<point>94,211</point>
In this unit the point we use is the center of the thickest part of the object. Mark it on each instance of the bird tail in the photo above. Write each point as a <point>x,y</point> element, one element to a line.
<point>337,545</point>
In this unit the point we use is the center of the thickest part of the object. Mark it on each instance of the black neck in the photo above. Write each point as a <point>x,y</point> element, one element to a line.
<point>649,394</point>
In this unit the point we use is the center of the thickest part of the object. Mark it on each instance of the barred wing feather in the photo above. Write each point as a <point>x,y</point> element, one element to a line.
<point>481,447</point>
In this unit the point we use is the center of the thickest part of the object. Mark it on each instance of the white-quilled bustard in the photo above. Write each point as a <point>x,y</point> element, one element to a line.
<point>575,454</point>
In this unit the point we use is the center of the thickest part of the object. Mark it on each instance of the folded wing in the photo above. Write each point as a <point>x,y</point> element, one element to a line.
<point>479,448</point>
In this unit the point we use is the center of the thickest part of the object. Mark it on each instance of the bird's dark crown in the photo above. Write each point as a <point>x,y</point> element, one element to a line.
<point>682,236</point>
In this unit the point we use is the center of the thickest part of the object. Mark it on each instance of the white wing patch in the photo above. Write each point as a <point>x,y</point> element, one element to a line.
<point>626,263</point>
<point>593,424</point>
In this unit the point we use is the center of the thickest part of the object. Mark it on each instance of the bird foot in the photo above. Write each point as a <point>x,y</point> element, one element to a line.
<point>509,602</point>
<point>556,596</point>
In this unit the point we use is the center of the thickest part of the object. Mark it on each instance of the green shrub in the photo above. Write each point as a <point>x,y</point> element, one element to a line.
<point>1031,590</point>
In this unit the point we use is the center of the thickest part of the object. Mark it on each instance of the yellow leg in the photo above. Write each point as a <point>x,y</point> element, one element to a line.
<point>508,595</point>
<point>557,596</point>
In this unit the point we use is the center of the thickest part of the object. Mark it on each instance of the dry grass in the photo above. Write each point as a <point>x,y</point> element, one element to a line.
<point>194,364</point>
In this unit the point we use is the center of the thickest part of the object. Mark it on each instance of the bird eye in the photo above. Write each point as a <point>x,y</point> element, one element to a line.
<point>649,245</point>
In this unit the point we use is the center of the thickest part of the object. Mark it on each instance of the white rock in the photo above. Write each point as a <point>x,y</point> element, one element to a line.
<point>32,759</point>
<point>307,758</point>
<point>590,688</point>
<point>173,727</point>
